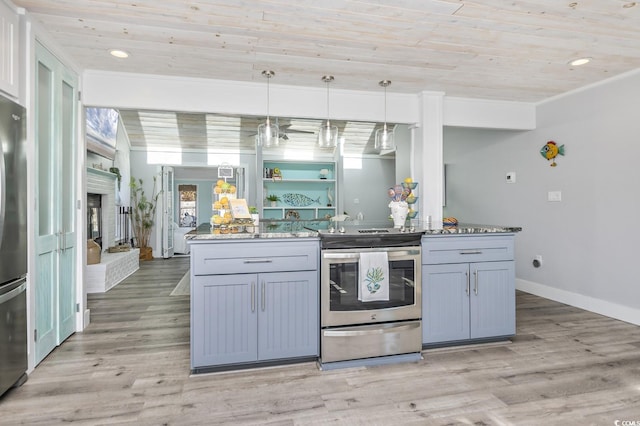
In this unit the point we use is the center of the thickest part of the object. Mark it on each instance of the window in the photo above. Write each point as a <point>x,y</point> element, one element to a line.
<point>187,205</point>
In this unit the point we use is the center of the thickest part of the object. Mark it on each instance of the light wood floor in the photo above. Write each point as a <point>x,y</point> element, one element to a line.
<point>131,366</point>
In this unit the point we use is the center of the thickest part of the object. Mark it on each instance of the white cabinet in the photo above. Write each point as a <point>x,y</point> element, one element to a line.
<point>9,48</point>
<point>468,288</point>
<point>253,302</point>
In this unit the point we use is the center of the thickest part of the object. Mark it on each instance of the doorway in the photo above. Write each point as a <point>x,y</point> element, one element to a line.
<point>193,194</point>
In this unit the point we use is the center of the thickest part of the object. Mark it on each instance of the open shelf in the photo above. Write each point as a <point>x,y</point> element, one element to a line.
<point>301,179</point>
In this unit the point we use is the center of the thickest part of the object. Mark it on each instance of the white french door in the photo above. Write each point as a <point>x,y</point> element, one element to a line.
<point>167,211</point>
<point>56,146</point>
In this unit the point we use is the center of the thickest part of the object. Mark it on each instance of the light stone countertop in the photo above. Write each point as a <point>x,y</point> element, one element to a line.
<point>203,232</point>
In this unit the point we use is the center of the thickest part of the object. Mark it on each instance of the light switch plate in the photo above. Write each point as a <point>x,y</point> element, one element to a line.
<point>511,177</point>
<point>554,196</point>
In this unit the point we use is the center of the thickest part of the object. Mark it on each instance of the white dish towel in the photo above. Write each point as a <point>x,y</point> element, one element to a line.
<point>373,277</point>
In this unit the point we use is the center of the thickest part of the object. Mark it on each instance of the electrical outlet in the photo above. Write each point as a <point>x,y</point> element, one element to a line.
<point>537,261</point>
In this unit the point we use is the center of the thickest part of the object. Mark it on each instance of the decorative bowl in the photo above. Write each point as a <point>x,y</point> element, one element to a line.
<point>410,185</point>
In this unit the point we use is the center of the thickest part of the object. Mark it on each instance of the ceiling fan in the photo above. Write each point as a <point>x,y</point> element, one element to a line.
<point>285,130</point>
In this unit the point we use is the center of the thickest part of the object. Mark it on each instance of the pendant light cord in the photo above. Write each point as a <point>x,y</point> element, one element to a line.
<point>385,83</point>
<point>327,103</point>
<point>328,79</point>
<point>268,74</point>
<point>385,108</point>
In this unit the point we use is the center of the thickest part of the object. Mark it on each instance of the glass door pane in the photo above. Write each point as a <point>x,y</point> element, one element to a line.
<point>45,149</point>
<point>67,159</point>
<point>344,286</point>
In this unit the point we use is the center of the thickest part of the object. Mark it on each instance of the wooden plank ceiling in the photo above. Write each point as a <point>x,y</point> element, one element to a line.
<point>493,49</point>
<point>224,133</point>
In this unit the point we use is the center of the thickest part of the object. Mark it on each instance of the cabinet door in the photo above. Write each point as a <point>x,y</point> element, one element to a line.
<point>288,322</point>
<point>9,48</point>
<point>223,319</point>
<point>493,301</point>
<point>445,302</point>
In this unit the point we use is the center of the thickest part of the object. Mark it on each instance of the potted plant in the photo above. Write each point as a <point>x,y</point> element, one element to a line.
<point>116,171</point>
<point>253,210</point>
<point>143,215</point>
<point>273,198</point>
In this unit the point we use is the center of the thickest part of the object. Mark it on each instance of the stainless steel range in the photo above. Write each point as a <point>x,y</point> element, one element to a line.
<point>370,293</point>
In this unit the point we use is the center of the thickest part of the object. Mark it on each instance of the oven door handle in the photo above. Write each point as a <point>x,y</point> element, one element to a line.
<point>385,330</point>
<point>356,254</point>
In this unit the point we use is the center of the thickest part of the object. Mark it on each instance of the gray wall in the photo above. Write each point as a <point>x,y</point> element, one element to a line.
<point>588,240</point>
<point>369,185</point>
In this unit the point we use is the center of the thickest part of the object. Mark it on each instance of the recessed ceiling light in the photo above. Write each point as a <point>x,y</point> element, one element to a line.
<point>119,53</point>
<point>579,61</point>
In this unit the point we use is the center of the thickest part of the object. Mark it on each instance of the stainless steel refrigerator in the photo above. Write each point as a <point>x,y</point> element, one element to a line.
<point>13,245</point>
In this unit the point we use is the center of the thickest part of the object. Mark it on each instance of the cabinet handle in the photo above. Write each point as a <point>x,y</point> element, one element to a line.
<point>258,261</point>
<point>253,296</point>
<point>471,252</point>
<point>475,277</point>
<point>263,296</point>
<point>466,274</point>
<point>370,331</point>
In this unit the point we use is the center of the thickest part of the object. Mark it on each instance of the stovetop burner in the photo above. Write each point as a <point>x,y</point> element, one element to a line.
<point>344,236</point>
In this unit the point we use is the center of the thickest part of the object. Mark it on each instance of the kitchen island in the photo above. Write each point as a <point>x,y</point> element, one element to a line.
<point>255,296</point>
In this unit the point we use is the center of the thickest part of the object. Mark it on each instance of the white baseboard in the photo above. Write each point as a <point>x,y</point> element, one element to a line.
<point>602,307</point>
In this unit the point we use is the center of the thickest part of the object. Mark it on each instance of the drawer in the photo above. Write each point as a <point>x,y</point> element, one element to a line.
<point>367,341</point>
<point>463,249</point>
<point>254,257</point>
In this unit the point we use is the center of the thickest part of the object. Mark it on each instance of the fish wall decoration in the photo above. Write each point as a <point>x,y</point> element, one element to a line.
<point>299,200</point>
<point>551,150</point>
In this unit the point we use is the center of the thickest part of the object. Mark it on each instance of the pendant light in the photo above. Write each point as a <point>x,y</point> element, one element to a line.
<point>268,133</point>
<point>384,137</point>
<point>328,134</point>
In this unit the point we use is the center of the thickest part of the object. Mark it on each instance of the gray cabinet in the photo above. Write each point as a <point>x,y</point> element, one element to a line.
<point>288,315</point>
<point>239,317</point>
<point>223,320</point>
<point>465,300</point>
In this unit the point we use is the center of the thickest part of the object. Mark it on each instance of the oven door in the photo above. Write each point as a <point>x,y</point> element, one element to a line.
<point>340,304</point>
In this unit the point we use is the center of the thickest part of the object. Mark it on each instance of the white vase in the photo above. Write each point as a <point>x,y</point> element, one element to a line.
<point>256,223</point>
<point>399,211</point>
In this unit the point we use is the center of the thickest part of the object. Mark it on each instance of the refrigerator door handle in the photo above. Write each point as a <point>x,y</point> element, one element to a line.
<point>13,293</point>
<point>3,187</point>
